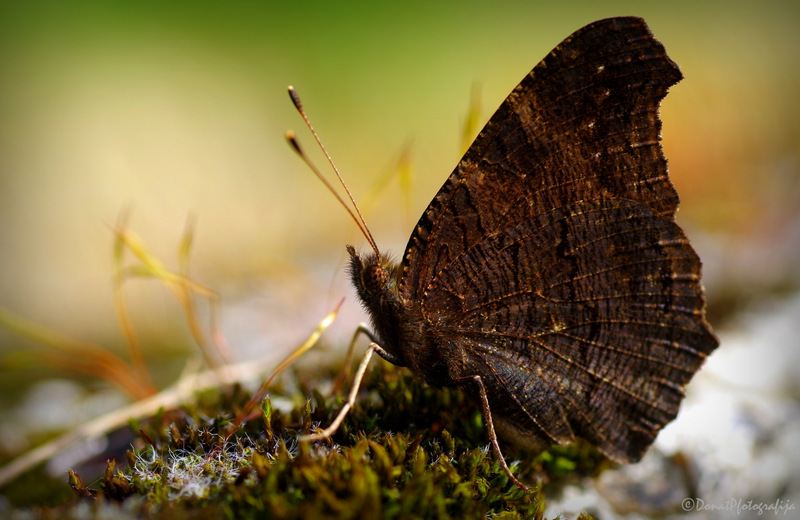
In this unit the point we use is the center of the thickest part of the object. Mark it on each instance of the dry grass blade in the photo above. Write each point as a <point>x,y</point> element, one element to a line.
<point>312,340</point>
<point>181,286</point>
<point>182,392</point>
<point>94,360</point>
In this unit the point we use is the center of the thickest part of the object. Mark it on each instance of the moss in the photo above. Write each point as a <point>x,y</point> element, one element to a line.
<point>405,451</point>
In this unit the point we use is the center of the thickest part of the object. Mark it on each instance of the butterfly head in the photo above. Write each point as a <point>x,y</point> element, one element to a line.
<point>371,275</point>
<point>375,279</point>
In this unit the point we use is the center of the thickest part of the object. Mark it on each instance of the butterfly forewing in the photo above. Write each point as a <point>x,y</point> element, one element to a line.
<point>582,125</point>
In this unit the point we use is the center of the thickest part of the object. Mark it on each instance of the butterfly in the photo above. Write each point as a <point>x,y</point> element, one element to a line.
<point>547,279</point>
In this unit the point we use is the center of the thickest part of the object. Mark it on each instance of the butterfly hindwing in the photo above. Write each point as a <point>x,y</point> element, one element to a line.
<point>595,306</point>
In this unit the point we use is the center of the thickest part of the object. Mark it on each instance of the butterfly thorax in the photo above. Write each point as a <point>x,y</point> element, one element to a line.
<point>397,320</point>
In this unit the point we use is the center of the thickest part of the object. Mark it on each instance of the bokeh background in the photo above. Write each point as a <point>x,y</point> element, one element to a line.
<point>172,109</point>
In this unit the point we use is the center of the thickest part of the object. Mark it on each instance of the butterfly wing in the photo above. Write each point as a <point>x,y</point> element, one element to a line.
<point>583,124</point>
<point>551,257</point>
<point>585,321</point>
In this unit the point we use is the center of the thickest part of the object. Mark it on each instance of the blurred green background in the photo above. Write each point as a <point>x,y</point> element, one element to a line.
<point>180,107</point>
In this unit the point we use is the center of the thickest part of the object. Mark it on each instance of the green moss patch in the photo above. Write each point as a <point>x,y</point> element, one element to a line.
<point>405,451</point>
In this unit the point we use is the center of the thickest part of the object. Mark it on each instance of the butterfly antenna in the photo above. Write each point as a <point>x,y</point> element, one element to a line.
<point>360,222</point>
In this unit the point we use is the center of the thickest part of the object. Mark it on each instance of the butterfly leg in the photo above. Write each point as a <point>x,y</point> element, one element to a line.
<point>487,418</point>
<point>362,328</point>
<point>351,399</point>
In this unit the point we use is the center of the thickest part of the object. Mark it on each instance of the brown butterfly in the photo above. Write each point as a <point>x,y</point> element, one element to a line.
<point>548,279</point>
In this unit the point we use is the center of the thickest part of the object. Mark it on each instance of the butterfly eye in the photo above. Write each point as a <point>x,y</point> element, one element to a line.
<point>376,277</point>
